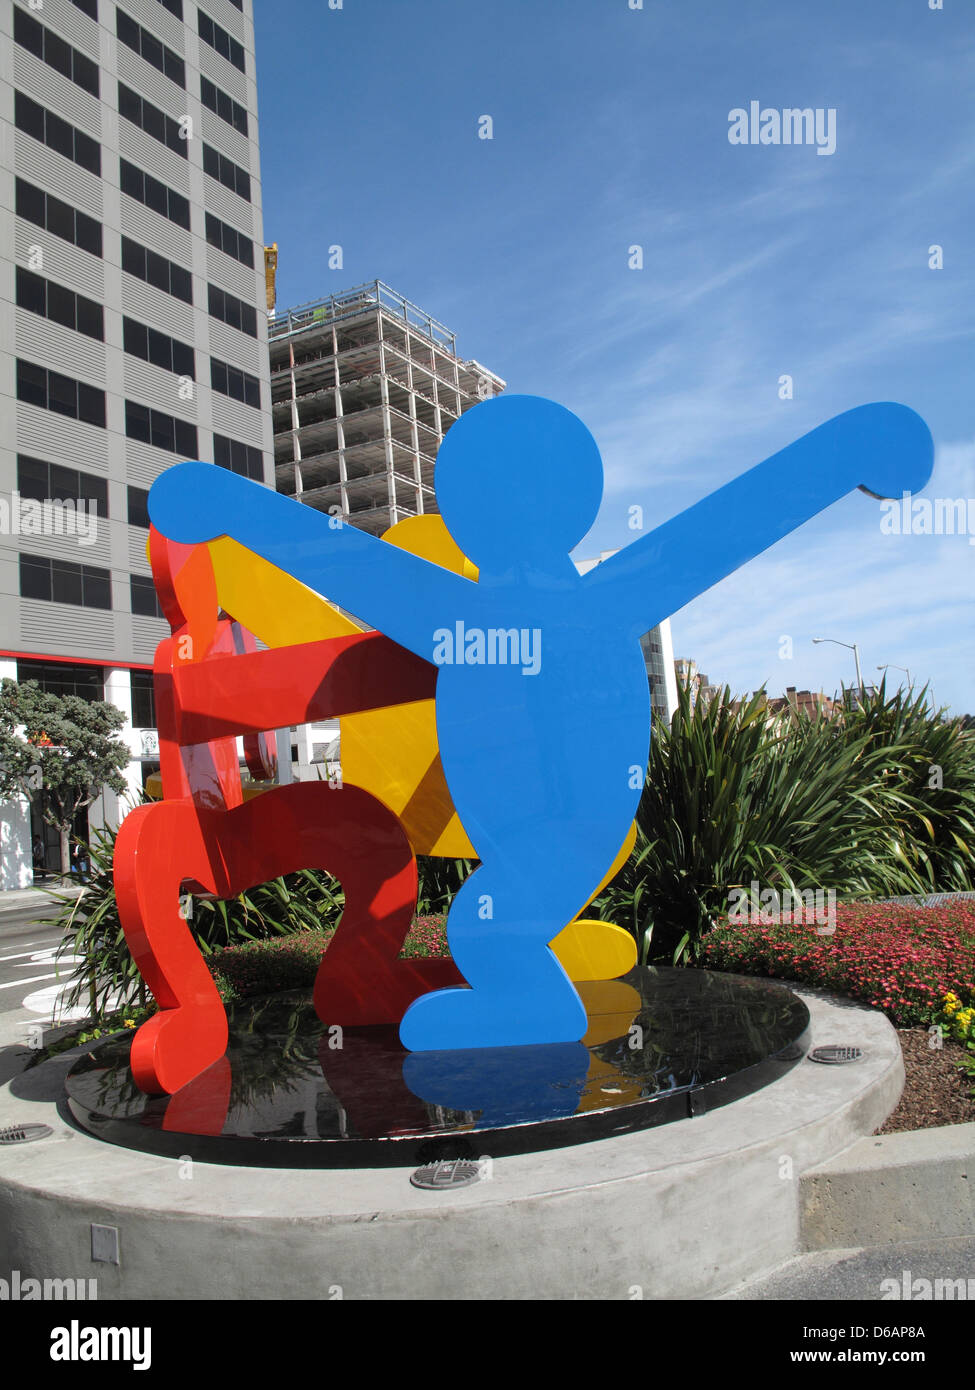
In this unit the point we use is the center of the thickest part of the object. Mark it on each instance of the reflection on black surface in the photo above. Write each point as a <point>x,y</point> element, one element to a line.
<point>285,1093</point>
<point>502,1085</point>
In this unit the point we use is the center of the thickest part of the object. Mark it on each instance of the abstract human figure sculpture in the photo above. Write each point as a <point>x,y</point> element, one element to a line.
<point>532,648</point>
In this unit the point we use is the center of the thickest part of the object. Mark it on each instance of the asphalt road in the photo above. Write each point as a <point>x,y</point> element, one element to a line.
<point>27,958</point>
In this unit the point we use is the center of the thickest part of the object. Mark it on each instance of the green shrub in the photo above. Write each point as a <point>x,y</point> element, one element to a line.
<point>738,794</point>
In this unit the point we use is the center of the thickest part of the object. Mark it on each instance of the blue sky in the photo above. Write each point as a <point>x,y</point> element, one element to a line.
<point>611,130</point>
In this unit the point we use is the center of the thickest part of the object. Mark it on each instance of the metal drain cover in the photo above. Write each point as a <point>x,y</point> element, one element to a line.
<point>835,1054</point>
<point>24,1134</point>
<point>452,1172</point>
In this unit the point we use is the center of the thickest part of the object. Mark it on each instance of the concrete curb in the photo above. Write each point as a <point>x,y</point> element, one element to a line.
<point>892,1187</point>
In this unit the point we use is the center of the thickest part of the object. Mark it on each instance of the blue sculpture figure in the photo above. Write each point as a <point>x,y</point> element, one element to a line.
<point>542,704</point>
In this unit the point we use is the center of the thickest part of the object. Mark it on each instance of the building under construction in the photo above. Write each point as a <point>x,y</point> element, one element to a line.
<point>364,386</point>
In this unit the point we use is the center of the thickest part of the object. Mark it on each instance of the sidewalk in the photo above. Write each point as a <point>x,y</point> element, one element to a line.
<point>24,899</point>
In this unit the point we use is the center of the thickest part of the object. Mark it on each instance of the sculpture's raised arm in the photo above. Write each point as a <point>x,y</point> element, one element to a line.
<point>403,596</point>
<point>884,449</point>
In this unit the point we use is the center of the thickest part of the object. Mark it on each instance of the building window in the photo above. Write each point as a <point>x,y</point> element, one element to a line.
<point>156,270</point>
<point>143,700</point>
<point>150,119</point>
<point>157,348</point>
<point>229,240</point>
<point>230,381</point>
<point>54,302</point>
<point>223,105</point>
<point>60,581</point>
<point>58,135</point>
<point>145,189</point>
<point>238,4</point>
<point>229,309</point>
<point>219,39</point>
<point>225,171</point>
<point>54,482</point>
<point>46,211</point>
<point>53,50</point>
<point>160,430</point>
<point>239,458</point>
<point>60,678</point>
<point>90,8</point>
<point>145,602</point>
<point>150,48</point>
<point>62,394</point>
<point>139,507</point>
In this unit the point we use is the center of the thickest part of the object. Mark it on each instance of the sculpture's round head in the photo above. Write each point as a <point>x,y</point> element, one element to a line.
<point>518,478</point>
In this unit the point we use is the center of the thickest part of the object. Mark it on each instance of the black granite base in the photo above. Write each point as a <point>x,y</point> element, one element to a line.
<point>662,1045</point>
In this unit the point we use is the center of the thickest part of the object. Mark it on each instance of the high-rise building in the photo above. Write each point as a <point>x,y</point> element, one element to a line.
<point>364,386</point>
<point>135,328</point>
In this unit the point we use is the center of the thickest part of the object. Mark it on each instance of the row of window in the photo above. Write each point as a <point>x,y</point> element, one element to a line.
<point>62,220</point>
<point>158,124</point>
<point>162,431</point>
<point>158,348</point>
<point>55,482</point>
<point>227,239</point>
<point>88,683</point>
<point>175,7</point>
<point>59,218</point>
<point>176,280</point>
<point>54,51</point>
<point>150,48</point>
<point>223,105</point>
<point>51,130</point>
<point>57,134</point>
<point>231,381</point>
<point>87,586</point>
<point>144,188</point>
<point>61,394</point>
<point>64,395</point>
<point>239,458</point>
<point>220,40</point>
<point>154,269</point>
<point>231,310</point>
<point>53,301</point>
<point>225,171</point>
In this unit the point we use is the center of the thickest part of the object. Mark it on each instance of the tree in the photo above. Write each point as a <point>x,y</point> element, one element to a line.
<point>61,746</point>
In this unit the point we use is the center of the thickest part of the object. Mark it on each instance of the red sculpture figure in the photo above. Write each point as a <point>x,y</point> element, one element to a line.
<point>203,837</point>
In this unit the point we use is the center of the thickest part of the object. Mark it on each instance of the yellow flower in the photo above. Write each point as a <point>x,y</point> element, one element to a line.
<point>128,1023</point>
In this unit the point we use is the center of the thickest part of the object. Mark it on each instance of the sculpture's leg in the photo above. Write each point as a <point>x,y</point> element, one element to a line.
<point>498,932</point>
<point>361,980</point>
<point>158,849</point>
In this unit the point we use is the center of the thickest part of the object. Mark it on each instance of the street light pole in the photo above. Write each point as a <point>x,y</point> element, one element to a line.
<point>854,648</point>
<point>891,666</point>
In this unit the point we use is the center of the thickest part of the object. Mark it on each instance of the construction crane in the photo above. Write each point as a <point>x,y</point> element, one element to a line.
<point>270,271</point>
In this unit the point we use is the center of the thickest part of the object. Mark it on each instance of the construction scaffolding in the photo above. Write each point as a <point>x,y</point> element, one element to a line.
<point>364,386</point>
